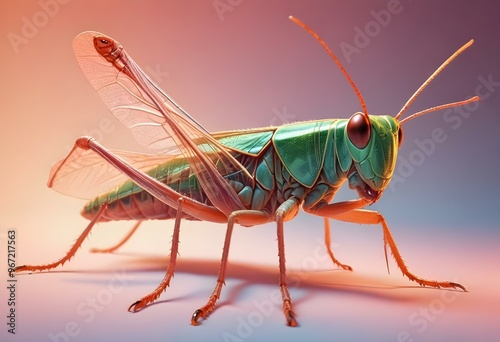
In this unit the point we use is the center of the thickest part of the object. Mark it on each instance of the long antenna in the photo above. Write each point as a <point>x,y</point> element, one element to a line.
<point>431,77</point>
<point>440,107</point>
<point>335,59</point>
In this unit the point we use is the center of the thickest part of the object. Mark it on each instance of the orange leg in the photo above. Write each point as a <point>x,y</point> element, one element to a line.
<point>351,212</point>
<point>329,248</point>
<point>141,303</point>
<point>243,217</point>
<point>285,212</point>
<point>372,217</point>
<point>71,251</point>
<point>119,244</point>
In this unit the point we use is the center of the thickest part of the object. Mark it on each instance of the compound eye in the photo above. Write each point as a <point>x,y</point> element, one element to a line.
<point>400,136</point>
<point>359,130</point>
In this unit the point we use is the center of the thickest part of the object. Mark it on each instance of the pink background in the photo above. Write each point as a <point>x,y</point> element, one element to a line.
<point>249,67</point>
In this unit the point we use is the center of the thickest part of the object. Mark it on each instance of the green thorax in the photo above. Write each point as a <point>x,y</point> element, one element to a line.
<point>308,148</point>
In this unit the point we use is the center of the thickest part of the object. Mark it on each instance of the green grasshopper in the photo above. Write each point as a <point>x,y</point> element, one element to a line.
<point>249,177</point>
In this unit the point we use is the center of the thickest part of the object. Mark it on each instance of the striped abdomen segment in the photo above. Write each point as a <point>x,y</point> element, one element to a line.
<point>138,206</point>
<point>131,202</point>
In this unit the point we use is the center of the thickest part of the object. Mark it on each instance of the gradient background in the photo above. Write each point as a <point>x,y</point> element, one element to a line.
<point>252,67</point>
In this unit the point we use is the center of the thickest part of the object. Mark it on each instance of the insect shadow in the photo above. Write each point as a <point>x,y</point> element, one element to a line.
<point>306,282</point>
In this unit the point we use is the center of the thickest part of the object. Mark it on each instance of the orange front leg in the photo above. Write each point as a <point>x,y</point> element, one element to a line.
<point>351,211</point>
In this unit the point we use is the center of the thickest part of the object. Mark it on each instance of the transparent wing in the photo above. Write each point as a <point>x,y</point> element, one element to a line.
<point>123,97</point>
<point>155,120</point>
<point>84,174</point>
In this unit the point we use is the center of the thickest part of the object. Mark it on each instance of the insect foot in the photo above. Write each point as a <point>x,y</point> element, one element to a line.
<point>144,301</point>
<point>434,283</point>
<point>36,268</point>
<point>136,306</point>
<point>20,268</point>
<point>197,317</point>
<point>444,284</point>
<point>290,319</point>
<point>460,286</point>
<point>202,313</point>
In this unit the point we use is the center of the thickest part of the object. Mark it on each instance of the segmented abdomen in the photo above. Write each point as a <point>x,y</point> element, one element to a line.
<point>131,202</point>
<point>138,206</point>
